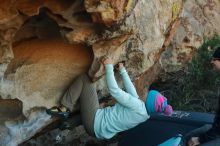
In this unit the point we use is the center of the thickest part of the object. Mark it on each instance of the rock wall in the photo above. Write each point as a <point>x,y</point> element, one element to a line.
<point>199,20</point>
<point>42,70</point>
<point>45,44</point>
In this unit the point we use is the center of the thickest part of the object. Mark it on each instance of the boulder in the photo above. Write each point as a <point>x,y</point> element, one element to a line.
<point>44,45</point>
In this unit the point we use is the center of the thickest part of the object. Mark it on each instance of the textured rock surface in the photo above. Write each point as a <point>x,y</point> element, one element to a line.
<point>199,20</point>
<point>44,44</point>
<point>113,48</point>
<point>42,70</point>
<point>108,12</point>
<point>75,137</point>
<point>15,132</point>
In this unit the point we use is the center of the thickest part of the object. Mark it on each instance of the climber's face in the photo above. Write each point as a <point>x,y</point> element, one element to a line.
<point>216,63</point>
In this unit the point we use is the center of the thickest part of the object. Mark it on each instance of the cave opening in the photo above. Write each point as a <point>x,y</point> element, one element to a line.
<point>39,26</point>
<point>43,66</point>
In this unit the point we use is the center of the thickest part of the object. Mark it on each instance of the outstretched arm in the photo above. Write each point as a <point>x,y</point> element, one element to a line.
<point>129,86</point>
<point>121,96</point>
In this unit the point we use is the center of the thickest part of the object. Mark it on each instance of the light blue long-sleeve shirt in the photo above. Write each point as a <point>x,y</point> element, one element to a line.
<point>128,112</point>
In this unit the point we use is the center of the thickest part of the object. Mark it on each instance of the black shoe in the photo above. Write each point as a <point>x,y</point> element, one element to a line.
<point>58,112</point>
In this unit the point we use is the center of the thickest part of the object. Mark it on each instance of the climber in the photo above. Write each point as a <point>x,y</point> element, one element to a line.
<point>128,112</point>
<point>207,135</point>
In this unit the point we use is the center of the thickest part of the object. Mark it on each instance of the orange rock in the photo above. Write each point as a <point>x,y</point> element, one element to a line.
<point>7,10</point>
<point>42,70</point>
<point>107,11</point>
<point>80,35</point>
<point>51,51</point>
<point>31,8</point>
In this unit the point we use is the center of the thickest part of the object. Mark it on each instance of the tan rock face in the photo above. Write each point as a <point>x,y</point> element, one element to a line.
<point>199,19</point>
<point>43,69</point>
<point>112,48</point>
<point>108,12</point>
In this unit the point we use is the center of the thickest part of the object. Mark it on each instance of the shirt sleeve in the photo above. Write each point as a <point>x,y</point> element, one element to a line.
<point>129,87</point>
<point>121,96</point>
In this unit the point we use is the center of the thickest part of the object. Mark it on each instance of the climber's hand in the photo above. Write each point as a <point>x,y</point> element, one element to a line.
<point>120,65</point>
<point>106,60</point>
<point>194,141</point>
